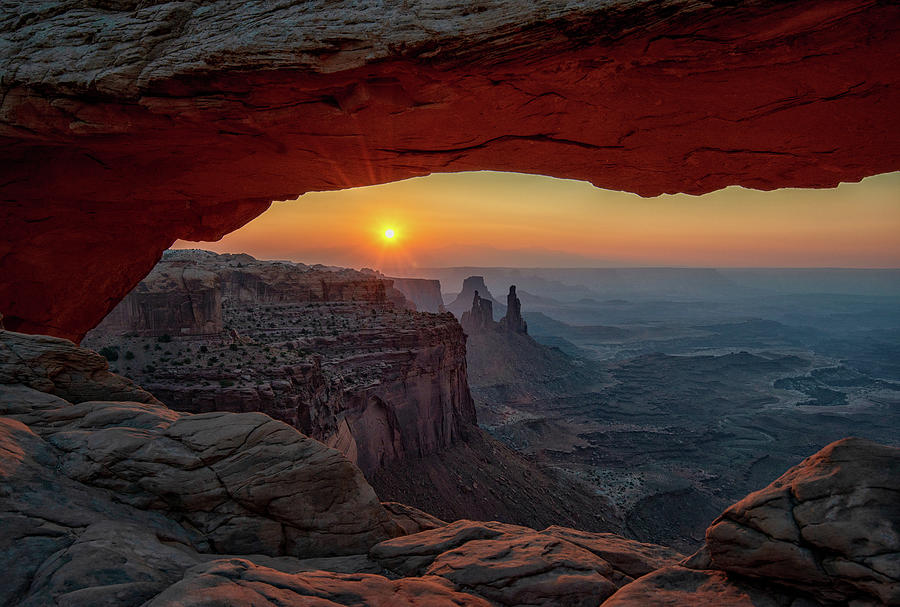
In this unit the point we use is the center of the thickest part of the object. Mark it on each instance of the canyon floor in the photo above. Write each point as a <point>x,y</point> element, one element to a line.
<point>673,407</point>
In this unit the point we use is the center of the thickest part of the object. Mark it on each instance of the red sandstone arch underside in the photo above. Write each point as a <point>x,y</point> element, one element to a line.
<point>120,138</point>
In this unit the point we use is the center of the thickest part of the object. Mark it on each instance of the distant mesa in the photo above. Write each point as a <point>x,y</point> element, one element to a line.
<point>463,301</point>
<point>184,293</point>
<point>423,292</point>
<point>480,318</point>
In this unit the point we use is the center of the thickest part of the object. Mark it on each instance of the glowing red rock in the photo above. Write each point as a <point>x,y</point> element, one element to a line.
<point>126,128</point>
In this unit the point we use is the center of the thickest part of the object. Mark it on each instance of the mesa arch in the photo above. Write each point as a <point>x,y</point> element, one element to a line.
<point>126,125</point>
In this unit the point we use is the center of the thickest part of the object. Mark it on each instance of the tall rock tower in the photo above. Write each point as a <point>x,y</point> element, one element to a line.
<point>513,320</point>
<point>480,317</point>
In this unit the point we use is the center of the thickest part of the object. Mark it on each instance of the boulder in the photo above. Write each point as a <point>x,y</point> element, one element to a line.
<point>512,565</point>
<point>57,366</point>
<point>681,587</point>
<point>528,569</point>
<point>247,483</point>
<point>628,558</point>
<point>223,583</point>
<point>829,526</point>
<point>412,520</point>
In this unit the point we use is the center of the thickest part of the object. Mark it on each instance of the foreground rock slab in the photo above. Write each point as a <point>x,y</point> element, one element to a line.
<point>681,587</point>
<point>512,565</point>
<point>186,484</point>
<point>830,526</point>
<point>240,582</point>
<point>116,503</point>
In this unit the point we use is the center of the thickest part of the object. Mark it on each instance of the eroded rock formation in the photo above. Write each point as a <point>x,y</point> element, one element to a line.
<point>125,126</point>
<point>830,526</point>
<point>108,502</point>
<point>331,351</point>
<point>480,317</point>
<point>463,302</point>
<point>183,293</point>
<point>513,320</point>
<point>112,482</point>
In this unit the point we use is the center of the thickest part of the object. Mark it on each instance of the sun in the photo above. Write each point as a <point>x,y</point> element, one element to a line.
<point>389,233</point>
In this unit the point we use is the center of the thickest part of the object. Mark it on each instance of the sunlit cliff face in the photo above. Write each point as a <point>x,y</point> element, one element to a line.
<point>510,219</point>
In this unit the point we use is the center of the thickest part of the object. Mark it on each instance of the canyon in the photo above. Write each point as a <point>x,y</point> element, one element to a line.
<point>127,126</point>
<point>119,500</point>
<point>674,392</point>
<point>271,433</point>
<point>341,356</point>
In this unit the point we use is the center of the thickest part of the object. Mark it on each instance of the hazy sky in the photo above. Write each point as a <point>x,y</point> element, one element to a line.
<point>508,219</point>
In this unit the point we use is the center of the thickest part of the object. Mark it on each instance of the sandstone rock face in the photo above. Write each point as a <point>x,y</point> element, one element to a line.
<point>830,526</point>
<point>512,565</point>
<point>412,520</point>
<point>219,472</point>
<point>183,293</point>
<point>241,582</point>
<point>426,294</point>
<point>126,126</point>
<point>328,350</point>
<point>105,501</point>
<point>176,298</point>
<point>57,366</point>
<point>480,318</point>
<point>513,320</point>
<point>680,587</point>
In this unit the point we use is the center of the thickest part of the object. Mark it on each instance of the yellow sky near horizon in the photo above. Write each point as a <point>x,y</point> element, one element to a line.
<point>487,218</point>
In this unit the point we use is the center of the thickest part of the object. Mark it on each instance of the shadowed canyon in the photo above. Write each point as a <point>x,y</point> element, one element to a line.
<point>180,427</point>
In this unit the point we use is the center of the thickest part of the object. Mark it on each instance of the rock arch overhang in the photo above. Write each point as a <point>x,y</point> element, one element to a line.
<point>126,125</point>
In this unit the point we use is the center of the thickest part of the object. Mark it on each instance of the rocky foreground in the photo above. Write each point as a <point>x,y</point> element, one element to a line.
<point>110,498</point>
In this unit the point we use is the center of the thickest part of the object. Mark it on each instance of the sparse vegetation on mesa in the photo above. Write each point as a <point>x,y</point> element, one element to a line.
<point>260,340</point>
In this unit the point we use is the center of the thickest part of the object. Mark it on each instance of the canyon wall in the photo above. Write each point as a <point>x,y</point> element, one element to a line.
<point>425,293</point>
<point>176,300</point>
<point>328,350</point>
<point>125,126</point>
<point>183,293</point>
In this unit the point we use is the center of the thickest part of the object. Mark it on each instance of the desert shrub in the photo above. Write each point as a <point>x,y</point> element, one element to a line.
<point>164,339</point>
<point>226,383</point>
<point>129,355</point>
<point>110,353</point>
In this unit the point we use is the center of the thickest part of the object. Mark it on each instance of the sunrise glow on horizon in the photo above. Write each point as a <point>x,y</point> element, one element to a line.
<point>508,219</point>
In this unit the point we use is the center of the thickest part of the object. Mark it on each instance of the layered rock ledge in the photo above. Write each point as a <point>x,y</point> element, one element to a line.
<point>108,502</point>
<point>128,125</point>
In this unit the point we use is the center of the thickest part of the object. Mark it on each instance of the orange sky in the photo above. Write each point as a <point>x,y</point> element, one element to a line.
<point>509,219</point>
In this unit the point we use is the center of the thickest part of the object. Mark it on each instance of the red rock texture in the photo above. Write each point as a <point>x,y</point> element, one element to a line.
<point>124,128</point>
